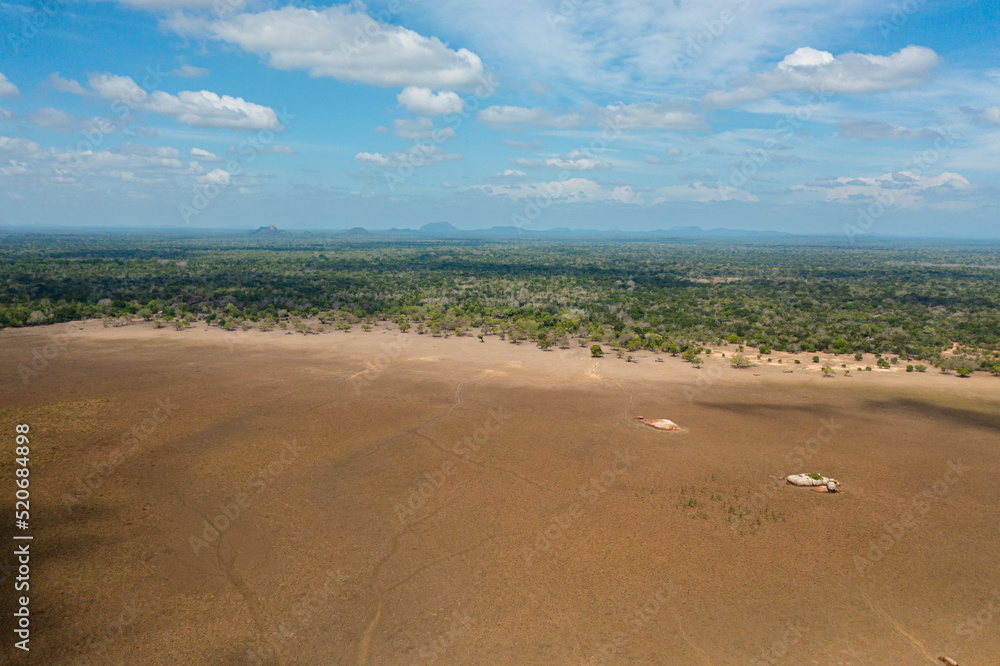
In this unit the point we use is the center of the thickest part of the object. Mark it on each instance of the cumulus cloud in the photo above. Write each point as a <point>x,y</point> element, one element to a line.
<point>650,115</point>
<point>574,160</point>
<point>507,117</point>
<point>652,159</point>
<point>416,156</point>
<point>204,155</point>
<point>571,190</point>
<point>811,69</point>
<point>873,130</point>
<point>341,42</point>
<point>62,85</point>
<point>189,72</point>
<point>196,109</point>
<point>216,177</point>
<point>8,89</point>
<point>67,123</point>
<point>421,129</point>
<point>900,189</point>
<point>723,99</point>
<point>5,114</point>
<point>427,103</point>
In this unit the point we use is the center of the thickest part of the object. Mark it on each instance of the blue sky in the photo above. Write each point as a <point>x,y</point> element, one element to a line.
<point>851,117</point>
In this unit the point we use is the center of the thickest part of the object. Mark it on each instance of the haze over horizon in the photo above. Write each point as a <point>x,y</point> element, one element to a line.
<point>851,118</point>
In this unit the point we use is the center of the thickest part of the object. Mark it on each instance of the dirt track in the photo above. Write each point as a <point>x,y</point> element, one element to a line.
<point>376,498</point>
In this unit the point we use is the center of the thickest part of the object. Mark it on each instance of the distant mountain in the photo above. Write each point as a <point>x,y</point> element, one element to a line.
<point>266,230</point>
<point>358,231</point>
<point>439,229</point>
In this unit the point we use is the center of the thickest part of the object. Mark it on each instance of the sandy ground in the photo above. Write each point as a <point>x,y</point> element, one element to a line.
<point>377,498</point>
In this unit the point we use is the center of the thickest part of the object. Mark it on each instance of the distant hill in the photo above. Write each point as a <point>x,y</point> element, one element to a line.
<point>268,230</point>
<point>439,229</point>
<point>358,231</point>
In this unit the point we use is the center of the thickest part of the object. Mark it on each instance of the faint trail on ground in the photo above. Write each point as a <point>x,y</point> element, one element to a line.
<point>697,649</point>
<point>898,626</point>
<point>250,598</point>
<point>364,648</point>
<point>433,442</point>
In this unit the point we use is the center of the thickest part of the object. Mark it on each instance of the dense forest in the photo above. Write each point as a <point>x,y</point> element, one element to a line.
<point>912,300</point>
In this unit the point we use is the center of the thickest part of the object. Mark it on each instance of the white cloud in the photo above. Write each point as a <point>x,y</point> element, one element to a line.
<point>5,114</point>
<point>427,103</point>
<point>60,84</point>
<point>8,89</point>
<point>204,155</point>
<point>216,177</point>
<point>196,109</point>
<point>571,190</point>
<point>701,193</point>
<point>18,146</point>
<point>60,121</point>
<point>652,159</point>
<point>416,156</point>
<point>810,69</point>
<point>873,130</point>
<point>190,72</point>
<point>723,99</point>
<point>421,129</point>
<point>502,117</point>
<point>900,189</point>
<point>574,160</point>
<point>341,42</point>
<point>650,115</point>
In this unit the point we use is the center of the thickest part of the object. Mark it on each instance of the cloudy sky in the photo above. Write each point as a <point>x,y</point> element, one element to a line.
<point>856,116</point>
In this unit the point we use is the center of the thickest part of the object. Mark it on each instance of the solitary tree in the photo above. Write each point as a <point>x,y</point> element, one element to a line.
<point>740,361</point>
<point>596,351</point>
